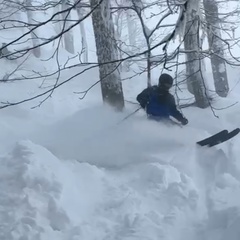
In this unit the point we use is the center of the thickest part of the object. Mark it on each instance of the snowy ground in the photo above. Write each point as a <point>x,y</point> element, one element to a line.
<point>74,170</point>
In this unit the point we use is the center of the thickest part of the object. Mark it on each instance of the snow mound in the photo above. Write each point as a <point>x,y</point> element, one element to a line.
<point>41,197</point>
<point>93,176</point>
<point>45,198</point>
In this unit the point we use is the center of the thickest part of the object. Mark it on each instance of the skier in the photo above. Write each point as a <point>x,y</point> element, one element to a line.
<point>158,103</point>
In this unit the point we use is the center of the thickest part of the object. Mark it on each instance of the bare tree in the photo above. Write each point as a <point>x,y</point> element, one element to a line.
<point>35,40</point>
<point>80,12</point>
<point>216,47</point>
<point>57,23</point>
<point>68,37</point>
<point>117,23</point>
<point>106,52</point>
<point>161,35</point>
<point>192,47</point>
<point>132,28</point>
<point>138,8</point>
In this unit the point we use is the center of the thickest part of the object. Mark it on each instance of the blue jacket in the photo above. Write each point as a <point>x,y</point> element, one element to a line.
<point>159,103</point>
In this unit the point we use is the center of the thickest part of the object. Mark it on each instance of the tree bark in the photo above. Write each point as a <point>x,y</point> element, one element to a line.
<point>216,45</point>
<point>83,35</point>
<point>111,85</point>
<point>68,36</point>
<point>35,41</point>
<point>195,80</point>
<point>132,28</point>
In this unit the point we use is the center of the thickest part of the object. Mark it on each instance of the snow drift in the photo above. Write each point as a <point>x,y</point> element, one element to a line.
<point>93,176</point>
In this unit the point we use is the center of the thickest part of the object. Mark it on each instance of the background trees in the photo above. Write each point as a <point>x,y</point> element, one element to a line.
<point>216,46</point>
<point>107,53</point>
<point>178,37</point>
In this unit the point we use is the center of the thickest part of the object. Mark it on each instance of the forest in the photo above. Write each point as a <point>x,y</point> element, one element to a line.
<point>181,37</point>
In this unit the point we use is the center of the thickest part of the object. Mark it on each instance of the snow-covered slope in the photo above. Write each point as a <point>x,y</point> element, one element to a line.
<point>91,175</point>
<point>45,198</point>
<point>73,169</point>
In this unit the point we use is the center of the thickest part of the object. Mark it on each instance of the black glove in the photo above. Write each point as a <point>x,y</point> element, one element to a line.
<point>142,105</point>
<point>184,121</point>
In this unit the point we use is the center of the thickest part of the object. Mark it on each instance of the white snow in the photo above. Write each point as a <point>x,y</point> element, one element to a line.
<point>74,169</point>
<point>85,174</point>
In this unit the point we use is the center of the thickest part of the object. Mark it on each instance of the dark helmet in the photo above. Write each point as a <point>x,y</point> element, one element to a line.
<point>165,81</point>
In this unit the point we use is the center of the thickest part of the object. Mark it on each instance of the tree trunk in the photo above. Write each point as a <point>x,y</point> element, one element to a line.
<point>111,85</point>
<point>193,66</point>
<point>35,41</point>
<point>68,36</point>
<point>57,25</point>
<point>132,28</point>
<point>118,26</point>
<point>132,35</point>
<point>83,35</point>
<point>215,44</point>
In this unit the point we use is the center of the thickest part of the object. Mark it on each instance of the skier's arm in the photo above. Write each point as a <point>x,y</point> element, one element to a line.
<point>175,113</point>
<point>143,97</point>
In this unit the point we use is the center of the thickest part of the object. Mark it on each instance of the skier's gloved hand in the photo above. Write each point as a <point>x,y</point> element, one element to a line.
<point>184,121</point>
<point>142,105</point>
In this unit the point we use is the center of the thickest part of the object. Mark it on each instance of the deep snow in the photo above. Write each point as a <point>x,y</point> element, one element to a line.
<point>74,172</point>
<point>72,169</point>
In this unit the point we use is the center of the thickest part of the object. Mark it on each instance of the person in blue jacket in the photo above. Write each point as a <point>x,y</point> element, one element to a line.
<point>159,103</point>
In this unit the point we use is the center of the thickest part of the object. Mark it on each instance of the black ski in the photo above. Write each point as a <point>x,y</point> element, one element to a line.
<point>225,138</point>
<point>214,138</point>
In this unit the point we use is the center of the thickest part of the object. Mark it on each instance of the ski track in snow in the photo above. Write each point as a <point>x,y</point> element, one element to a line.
<point>82,178</point>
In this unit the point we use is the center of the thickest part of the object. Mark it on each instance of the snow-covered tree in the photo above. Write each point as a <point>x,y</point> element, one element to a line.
<point>196,83</point>
<point>107,54</point>
<point>132,28</point>
<point>83,35</point>
<point>128,30</point>
<point>216,47</point>
<point>68,36</point>
<point>57,26</point>
<point>138,6</point>
<point>117,22</point>
<point>35,40</point>
<point>81,12</point>
<point>151,20</point>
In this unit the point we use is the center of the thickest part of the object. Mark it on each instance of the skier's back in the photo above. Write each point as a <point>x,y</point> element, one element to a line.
<point>159,103</point>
